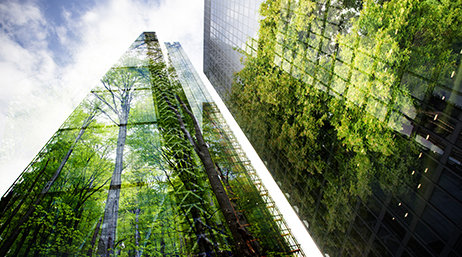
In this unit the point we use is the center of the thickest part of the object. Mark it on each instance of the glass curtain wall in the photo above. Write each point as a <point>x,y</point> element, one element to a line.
<point>356,109</point>
<point>230,28</point>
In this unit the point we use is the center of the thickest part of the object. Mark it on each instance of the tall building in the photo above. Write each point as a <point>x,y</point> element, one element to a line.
<point>356,109</point>
<point>122,175</point>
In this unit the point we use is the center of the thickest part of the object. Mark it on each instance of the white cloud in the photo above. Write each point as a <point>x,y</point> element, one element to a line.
<point>25,63</point>
<point>23,22</point>
<point>14,13</point>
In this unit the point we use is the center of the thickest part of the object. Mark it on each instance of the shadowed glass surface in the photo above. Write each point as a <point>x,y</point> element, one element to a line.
<point>355,106</point>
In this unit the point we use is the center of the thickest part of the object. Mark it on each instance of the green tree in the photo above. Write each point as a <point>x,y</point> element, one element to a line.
<point>119,85</point>
<point>240,235</point>
<point>25,217</point>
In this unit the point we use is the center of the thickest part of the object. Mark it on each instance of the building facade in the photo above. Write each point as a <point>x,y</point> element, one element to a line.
<point>228,27</point>
<point>120,177</point>
<point>356,109</point>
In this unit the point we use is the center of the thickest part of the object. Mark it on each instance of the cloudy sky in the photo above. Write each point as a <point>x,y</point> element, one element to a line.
<point>53,52</point>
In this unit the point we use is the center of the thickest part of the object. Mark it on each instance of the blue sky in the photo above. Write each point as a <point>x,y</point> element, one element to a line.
<point>53,52</point>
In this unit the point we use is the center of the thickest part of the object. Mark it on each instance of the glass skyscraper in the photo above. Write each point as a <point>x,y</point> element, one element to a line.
<point>356,109</point>
<point>122,177</point>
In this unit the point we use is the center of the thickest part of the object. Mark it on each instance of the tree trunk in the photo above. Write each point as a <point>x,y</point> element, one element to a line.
<point>14,234</point>
<point>6,201</point>
<point>95,235</point>
<point>22,240</point>
<point>182,161</point>
<point>109,227</point>
<point>10,200</point>
<point>120,90</point>
<point>7,222</point>
<point>31,243</point>
<point>240,235</point>
<point>137,233</point>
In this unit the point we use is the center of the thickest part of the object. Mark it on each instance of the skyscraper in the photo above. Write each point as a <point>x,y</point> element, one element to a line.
<point>126,174</point>
<point>355,106</point>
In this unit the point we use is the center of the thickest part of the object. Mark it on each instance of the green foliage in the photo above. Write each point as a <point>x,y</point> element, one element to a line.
<point>58,229</point>
<point>330,105</point>
<point>58,224</point>
<point>247,201</point>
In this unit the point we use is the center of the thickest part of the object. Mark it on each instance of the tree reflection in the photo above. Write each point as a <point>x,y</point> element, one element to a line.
<point>119,85</point>
<point>329,100</point>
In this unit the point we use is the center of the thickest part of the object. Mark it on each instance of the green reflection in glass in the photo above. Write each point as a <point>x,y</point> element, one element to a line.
<point>349,131</point>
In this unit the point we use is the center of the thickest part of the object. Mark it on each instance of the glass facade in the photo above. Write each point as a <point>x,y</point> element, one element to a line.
<point>121,178</point>
<point>229,26</point>
<point>356,109</point>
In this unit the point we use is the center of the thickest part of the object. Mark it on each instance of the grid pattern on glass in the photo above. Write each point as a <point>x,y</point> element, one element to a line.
<point>248,179</point>
<point>352,59</point>
<point>227,27</point>
<point>317,44</point>
<point>192,85</point>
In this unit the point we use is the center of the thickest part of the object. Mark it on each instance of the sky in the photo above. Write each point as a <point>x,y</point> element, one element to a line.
<point>53,52</point>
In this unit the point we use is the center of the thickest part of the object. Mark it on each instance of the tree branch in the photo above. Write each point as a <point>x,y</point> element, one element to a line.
<point>106,103</point>
<point>108,87</point>
<point>107,115</point>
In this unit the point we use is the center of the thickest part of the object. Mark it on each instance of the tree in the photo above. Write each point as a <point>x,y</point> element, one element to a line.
<point>16,231</point>
<point>186,178</point>
<point>159,201</point>
<point>240,234</point>
<point>119,85</point>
